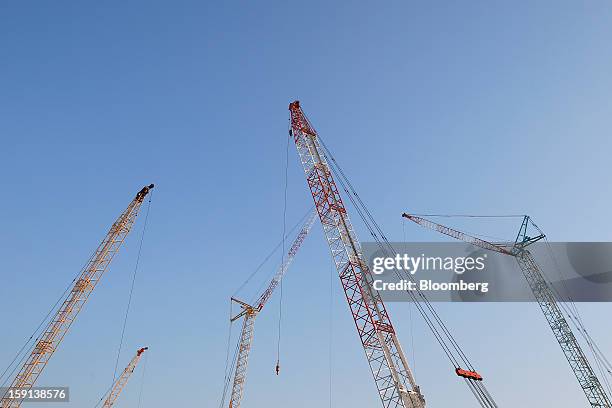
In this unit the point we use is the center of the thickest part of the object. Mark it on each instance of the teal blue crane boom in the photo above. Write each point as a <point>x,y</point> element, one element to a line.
<point>544,295</point>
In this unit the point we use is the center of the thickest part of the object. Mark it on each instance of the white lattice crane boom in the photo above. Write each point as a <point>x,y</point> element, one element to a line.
<point>250,313</point>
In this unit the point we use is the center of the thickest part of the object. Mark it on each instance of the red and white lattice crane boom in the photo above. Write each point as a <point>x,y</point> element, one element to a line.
<point>389,366</point>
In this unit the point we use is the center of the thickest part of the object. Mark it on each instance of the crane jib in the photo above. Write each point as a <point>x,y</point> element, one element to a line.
<point>57,327</point>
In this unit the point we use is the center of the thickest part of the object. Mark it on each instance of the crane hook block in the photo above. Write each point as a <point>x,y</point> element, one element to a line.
<point>277,368</point>
<point>470,375</point>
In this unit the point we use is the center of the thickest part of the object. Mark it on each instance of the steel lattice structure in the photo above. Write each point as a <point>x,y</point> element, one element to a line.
<point>250,313</point>
<point>544,295</point>
<point>242,361</point>
<point>392,375</point>
<point>121,382</point>
<point>563,333</point>
<point>60,323</point>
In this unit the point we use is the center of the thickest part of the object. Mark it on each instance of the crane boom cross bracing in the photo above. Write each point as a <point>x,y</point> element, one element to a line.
<point>58,326</point>
<point>589,383</point>
<point>388,364</point>
<point>121,382</point>
<point>250,313</point>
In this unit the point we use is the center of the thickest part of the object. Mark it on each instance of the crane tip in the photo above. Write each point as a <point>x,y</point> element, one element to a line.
<point>142,193</point>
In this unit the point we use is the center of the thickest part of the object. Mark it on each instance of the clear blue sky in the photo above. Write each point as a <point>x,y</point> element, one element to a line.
<point>486,107</point>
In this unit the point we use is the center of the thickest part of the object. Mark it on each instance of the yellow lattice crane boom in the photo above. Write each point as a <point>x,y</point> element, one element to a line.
<point>120,383</point>
<point>57,327</point>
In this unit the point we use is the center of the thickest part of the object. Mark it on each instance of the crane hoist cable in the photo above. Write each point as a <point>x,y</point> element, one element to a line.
<point>59,322</point>
<point>131,292</point>
<point>441,332</point>
<point>567,304</point>
<point>20,356</point>
<point>269,256</point>
<point>572,314</point>
<point>438,328</point>
<point>330,354</point>
<point>280,297</point>
<point>546,296</point>
<point>248,314</point>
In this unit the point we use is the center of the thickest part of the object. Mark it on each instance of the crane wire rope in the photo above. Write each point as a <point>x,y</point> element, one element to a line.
<point>476,388</point>
<point>471,215</point>
<point>272,272</point>
<point>573,313</point>
<point>280,297</point>
<point>227,373</point>
<point>475,234</point>
<point>370,225</point>
<point>6,375</point>
<point>435,325</point>
<point>332,269</point>
<point>229,367</point>
<point>410,311</point>
<point>103,395</point>
<point>129,303</point>
<point>270,255</point>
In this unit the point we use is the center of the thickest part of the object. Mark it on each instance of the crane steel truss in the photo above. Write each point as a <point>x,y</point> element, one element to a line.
<point>250,313</point>
<point>392,375</point>
<point>242,361</point>
<point>121,382</point>
<point>84,285</point>
<point>544,295</point>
